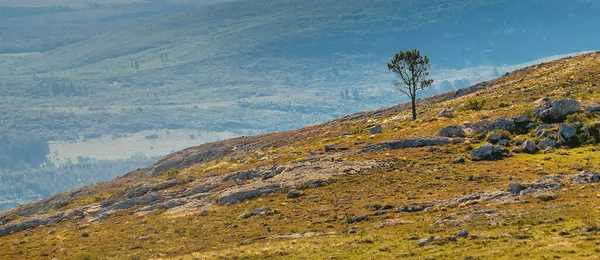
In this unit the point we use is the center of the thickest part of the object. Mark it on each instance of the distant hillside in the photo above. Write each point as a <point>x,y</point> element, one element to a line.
<point>510,173</point>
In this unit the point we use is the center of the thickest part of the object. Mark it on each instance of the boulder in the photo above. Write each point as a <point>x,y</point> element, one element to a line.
<point>547,143</point>
<point>292,194</point>
<point>486,152</point>
<point>494,138</point>
<point>567,134</point>
<point>540,129</point>
<point>452,131</point>
<point>515,188</point>
<point>376,129</point>
<point>504,142</point>
<point>522,124</point>
<point>502,124</point>
<point>463,233</point>
<point>529,147</point>
<point>446,112</point>
<point>557,110</point>
<point>481,127</point>
<point>424,241</point>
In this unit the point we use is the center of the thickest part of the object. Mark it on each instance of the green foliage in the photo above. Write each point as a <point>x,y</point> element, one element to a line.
<point>412,70</point>
<point>582,117</point>
<point>473,104</point>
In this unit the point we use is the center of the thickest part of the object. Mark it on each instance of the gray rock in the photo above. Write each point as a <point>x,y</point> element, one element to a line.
<point>446,112</point>
<point>515,188</point>
<point>494,138</point>
<point>459,160</point>
<point>518,142</point>
<point>292,194</point>
<point>452,131</point>
<point>504,142</point>
<point>258,211</point>
<point>585,177</point>
<point>539,129</point>
<point>481,127</point>
<point>593,108</point>
<point>557,110</point>
<point>547,143</point>
<point>376,129</point>
<point>516,150</point>
<point>486,152</point>
<point>245,215</point>
<point>529,147</point>
<point>463,233</point>
<point>549,150</point>
<point>85,234</point>
<point>567,134</point>
<point>204,213</point>
<point>522,124</point>
<point>335,148</point>
<point>502,124</point>
<point>424,241</point>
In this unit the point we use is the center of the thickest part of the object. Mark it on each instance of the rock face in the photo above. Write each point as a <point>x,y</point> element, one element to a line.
<point>452,131</point>
<point>567,134</point>
<point>446,112</point>
<point>544,184</point>
<point>494,138</point>
<point>292,194</point>
<point>529,147</point>
<point>557,110</point>
<point>486,152</point>
<point>593,108</point>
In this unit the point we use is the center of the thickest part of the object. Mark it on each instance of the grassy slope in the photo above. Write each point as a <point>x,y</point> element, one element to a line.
<point>538,229</point>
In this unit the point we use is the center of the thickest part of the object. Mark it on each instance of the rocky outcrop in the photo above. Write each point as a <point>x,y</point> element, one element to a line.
<point>556,111</point>
<point>413,142</point>
<point>547,143</point>
<point>529,147</point>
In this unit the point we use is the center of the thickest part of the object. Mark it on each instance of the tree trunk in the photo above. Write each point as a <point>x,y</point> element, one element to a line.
<point>414,108</point>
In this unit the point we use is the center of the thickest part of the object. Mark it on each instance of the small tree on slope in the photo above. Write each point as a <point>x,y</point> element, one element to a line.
<point>412,71</point>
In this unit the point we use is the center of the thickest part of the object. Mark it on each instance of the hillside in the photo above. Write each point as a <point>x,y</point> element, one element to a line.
<point>431,188</point>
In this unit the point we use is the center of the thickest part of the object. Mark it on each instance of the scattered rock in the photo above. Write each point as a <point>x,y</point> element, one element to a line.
<point>494,138</point>
<point>567,134</point>
<point>259,211</point>
<point>557,110</point>
<point>585,177</point>
<point>539,130</point>
<point>51,232</point>
<point>486,152</point>
<point>522,124</point>
<point>424,241</point>
<point>502,124</point>
<point>593,108</point>
<point>547,143</point>
<point>204,213</point>
<point>452,131</point>
<point>245,215</point>
<point>446,112</point>
<point>546,196</point>
<point>292,194</point>
<point>515,188</point>
<point>459,160</point>
<point>518,142</point>
<point>504,142</point>
<point>413,142</point>
<point>85,234</point>
<point>529,147</point>
<point>376,129</point>
<point>452,238</point>
<point>463,233</point>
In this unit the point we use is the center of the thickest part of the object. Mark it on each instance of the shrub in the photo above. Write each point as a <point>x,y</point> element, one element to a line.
<point>580,117</point>
<point>473,104</point>
<point>503,105</point>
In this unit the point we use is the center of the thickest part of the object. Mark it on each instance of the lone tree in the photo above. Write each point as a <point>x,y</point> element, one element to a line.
<point>412,70</point>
